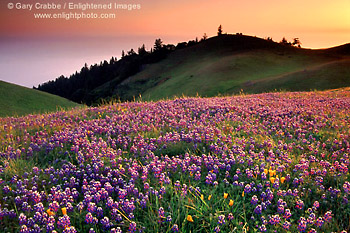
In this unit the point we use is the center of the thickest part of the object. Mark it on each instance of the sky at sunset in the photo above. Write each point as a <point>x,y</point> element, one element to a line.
<point>33,51</point>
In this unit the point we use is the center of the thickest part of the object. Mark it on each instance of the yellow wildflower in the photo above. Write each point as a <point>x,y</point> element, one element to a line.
<point>231,203</point>
<point>64,211</point>
<point>49,212</point>
<point>283,179</point>
<point>272,179</point>
<point>243,194</point>
<point>202,197</point>
<point>265,171</point>
<point>189,218</point>
<point>225,195</point>
<point>209,197</point>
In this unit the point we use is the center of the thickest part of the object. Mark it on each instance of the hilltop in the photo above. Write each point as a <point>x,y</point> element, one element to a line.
<point>221,65</point>
<point>17,100</point>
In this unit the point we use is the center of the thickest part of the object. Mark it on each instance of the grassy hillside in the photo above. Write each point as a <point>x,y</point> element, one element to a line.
<point>229,64</point>
<point>16,101</point>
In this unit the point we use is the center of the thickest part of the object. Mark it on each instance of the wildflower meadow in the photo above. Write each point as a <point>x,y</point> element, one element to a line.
<point>273,162</point>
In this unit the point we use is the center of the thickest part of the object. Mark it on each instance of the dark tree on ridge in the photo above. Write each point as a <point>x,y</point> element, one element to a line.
<point>204,37</point>
<point>220,30</point>
<point>296,42</point>
<point>158,44</point>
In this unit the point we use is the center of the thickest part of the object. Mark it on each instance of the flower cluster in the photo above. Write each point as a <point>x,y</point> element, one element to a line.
<point>180,164</point>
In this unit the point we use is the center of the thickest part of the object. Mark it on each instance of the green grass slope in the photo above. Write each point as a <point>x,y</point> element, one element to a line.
<point>17,101</point>
<point>229,64</point>
<point>320,77</point>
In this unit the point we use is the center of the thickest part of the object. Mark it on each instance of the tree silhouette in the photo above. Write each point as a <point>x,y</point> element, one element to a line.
<point>284,41</point>
<point>142,50</point>
<point>158,44</point>
<point>296,42</point>
<point>204,37</point>
<point>131,52</point>
<point>220,30</point>
<point>113,60</point>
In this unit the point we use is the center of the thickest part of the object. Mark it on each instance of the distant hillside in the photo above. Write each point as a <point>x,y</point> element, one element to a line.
<point>230,64</point>
<point>79,87</point>
<point>17,101</point>
<point>225,65</point>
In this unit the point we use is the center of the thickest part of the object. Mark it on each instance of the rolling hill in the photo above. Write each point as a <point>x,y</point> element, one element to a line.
<point>239,63</point>
<point>221,65</point>
<point>17,101</point>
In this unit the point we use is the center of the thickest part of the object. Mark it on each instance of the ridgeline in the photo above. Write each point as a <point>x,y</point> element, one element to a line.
<point>221,65</point>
